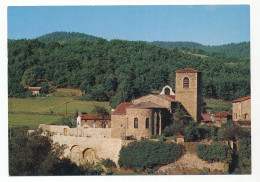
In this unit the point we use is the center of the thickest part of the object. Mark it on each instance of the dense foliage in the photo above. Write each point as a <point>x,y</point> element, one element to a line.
<point>230,131</point>
<point>237,50</point>
<point>214,152</point>
<point>146,154</point>
<point>118,71</point>
<point>66,37</point>
<point>244,156</point>
<point>35,154</point>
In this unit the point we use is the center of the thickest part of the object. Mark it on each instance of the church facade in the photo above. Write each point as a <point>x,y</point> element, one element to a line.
<point>149,115</point>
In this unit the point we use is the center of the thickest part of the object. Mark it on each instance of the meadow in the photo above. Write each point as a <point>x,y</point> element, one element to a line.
<point>33,111</point>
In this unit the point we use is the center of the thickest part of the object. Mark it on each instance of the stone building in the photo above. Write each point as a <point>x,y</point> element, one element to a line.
<point>93,121</point>
<point>150,114</point>
<point>241,109</point>
<point>222,117</point>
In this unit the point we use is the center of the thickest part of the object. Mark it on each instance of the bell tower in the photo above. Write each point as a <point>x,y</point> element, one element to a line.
<point>188,91</point>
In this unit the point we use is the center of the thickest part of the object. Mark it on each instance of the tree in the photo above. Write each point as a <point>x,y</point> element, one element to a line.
<point>35,154</point>
<point>101,112</point>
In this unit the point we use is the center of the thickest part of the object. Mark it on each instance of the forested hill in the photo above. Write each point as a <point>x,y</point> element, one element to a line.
<point>237,50</point>
<point>66,37</point>
<point>117,70</point>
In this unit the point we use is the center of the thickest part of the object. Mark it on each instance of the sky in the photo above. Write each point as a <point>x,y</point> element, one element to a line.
<point>208,25</point>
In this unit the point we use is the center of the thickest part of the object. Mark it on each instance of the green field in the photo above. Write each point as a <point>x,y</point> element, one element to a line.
<point>31,120</point>
<point>52,104</point>
<point>217,103</point>
<point>45,110</point>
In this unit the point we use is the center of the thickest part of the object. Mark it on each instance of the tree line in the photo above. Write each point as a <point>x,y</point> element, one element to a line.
<point>118,70</point>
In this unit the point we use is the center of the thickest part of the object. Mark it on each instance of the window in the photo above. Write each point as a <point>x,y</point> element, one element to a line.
<point>95,125</point>
<point>147,123</point>
<point>186,82</point>
<point>136,123</point>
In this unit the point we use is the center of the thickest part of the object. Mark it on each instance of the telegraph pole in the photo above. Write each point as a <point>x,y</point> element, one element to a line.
<point>66,106</point>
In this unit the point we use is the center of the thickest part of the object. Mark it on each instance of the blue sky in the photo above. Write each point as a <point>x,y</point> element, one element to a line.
<point>209,25</point>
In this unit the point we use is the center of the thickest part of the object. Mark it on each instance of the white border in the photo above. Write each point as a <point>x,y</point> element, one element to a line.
<point>255,59</point>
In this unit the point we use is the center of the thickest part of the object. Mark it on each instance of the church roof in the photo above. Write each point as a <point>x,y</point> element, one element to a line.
<point>187,70</point>
<point>241,99</point>
<point>121,108</point>
<point>170,98</point>
<point>146,105</point>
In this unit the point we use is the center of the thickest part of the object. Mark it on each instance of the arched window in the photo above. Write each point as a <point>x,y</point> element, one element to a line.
<point>186,82</point>
<point>147,123</point>
<point>167,91</point>
<point>136,123</point>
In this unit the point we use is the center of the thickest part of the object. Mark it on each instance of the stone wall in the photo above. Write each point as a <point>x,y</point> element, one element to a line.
<point>239,109</point>
<point>141,115</point>
<point>83,149</point>
<point>118,125</point>
<point>189,97</point>
<point>83,132</point>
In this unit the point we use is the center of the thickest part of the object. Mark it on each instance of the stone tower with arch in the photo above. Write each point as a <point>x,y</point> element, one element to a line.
<point>188,91</point>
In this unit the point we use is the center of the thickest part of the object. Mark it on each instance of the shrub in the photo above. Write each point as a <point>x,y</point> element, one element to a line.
<point>146,154</point>
<point>213,153</point>
<point>108,163</point>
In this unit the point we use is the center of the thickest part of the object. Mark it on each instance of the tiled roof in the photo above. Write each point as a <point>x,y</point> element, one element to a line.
<point>95,116</point>
<point>146,105</point>
<point>170,98</point>
<point>241,99</point>
<point>180,136</point>
<point>35,88</point>
<point>205,117</point>
<point>121,108</point>
<point>187,70</point>
<point>222,114</point>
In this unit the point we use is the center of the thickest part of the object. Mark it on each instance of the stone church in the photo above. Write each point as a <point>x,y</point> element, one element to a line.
<point>148,115</point>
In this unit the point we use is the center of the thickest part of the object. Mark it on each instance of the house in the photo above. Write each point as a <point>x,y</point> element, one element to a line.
<point>241,109</point>
<point>222,117</point>
<point>93,121</point>
<point>35,90</point>
<point>150,114</point>
<point>207,118</point>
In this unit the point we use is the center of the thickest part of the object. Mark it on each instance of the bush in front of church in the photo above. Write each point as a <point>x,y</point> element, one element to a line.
<point>143,155</point>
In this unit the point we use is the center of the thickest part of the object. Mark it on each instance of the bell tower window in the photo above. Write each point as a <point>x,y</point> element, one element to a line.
<point>186,82</point>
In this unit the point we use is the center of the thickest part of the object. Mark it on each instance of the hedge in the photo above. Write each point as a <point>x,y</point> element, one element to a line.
<point>213,153</point>
<point>146,154</point>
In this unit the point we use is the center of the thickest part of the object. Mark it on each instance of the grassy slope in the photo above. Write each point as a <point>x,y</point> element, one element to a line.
<point>31,120</point>
<point>55,104</point>
<point>34,111</point>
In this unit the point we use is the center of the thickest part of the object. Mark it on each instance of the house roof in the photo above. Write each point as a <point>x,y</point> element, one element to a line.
<point>35,88</point>
<point>94,116</point>
<point>121,108</point>
<point>205,117</point>
<point>222,114</point>
<point>145,105</point>
<point>241,99</point>
<point>187,70</point>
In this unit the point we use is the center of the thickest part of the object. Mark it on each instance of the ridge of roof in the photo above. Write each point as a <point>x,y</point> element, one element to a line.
<point>241,99</point>
<point>222,114</point>
<point>121,108</point>
<point>187,70</point>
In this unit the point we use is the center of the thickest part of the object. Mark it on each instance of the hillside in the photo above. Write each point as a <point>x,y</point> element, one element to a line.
<point>117,70</point>
<point>66,37</point>
<point>241,50</point>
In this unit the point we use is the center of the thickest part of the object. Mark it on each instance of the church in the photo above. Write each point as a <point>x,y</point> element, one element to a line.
<point>147,115</point>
